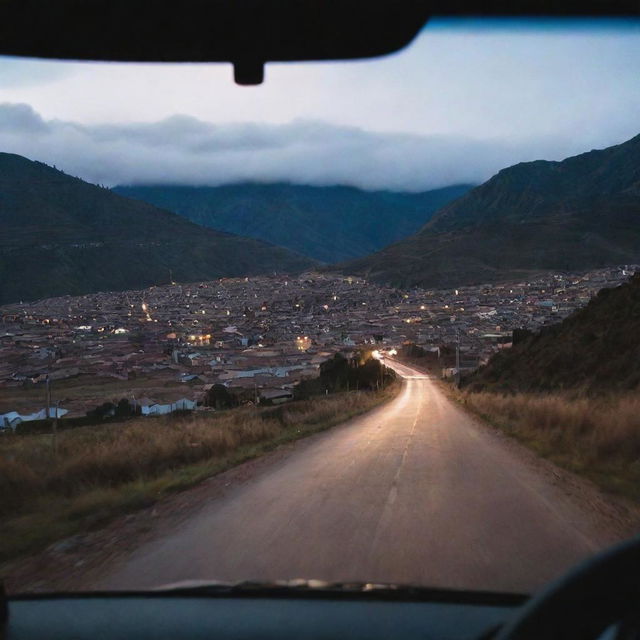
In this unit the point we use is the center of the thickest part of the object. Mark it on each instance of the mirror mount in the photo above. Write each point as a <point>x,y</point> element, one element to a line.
<point>248,72</point>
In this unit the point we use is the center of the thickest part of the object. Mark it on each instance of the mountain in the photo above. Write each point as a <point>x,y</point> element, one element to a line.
<point>595,349</point>
<point>330,224</point>
<point>581,213</point>
<point>60,235</point>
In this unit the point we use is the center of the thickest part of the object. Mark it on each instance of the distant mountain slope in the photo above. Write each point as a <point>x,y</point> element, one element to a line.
<point>597,348</point>
<point>60,235</point>
<point>329,224</point>
<point>581,213</point>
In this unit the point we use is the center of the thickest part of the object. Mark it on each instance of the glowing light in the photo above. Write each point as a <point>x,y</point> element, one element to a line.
<point>303,344</point>
<point>144,306</point>
<point>392,352</point>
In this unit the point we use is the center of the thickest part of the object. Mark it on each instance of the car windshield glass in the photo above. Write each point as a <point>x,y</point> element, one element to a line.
<point>370,321</point>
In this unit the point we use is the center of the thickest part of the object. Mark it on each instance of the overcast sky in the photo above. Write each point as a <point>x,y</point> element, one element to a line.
<point>463,101</point>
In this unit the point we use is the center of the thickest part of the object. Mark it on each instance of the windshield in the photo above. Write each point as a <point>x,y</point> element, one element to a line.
<point>367,322</point>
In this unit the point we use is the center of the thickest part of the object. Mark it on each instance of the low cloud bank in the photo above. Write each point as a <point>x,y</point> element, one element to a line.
<point>184,150</point>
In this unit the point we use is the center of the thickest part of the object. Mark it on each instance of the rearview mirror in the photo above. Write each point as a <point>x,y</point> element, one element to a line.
<point>247,33</point>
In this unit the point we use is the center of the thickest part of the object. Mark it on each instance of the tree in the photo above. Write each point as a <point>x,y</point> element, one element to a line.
<point>220,397</point>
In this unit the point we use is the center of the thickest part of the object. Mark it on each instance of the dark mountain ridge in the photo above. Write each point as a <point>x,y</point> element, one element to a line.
<point>580,213</point>
<point>596,349</point>
<point>60,235</point>
<point>330,224</point>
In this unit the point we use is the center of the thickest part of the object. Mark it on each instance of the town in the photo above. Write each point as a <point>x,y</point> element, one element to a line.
<point>163,348</point>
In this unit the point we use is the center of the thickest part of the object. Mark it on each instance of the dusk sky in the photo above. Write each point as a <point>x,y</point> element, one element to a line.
<point>463,101</point>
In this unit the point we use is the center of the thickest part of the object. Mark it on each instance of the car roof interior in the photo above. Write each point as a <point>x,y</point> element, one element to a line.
<point>246,33</point>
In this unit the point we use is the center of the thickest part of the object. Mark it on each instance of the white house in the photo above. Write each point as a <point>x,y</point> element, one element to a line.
<point>12,419</point>
<point>184,404</point>
<point>155,409</point>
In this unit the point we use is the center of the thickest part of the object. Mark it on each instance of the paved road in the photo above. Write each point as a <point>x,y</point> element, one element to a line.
<point>415,492</point>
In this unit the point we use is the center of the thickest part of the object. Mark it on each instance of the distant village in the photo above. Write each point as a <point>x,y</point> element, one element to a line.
<point>163,348</point>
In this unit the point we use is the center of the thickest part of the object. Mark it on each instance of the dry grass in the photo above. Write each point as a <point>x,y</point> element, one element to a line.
<point>98,472</point>
<point>596,436</point>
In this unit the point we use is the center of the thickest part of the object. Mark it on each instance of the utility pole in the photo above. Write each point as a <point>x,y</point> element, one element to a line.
<point>457,357</point>
<point>48,396</point>
<point>55,429</point>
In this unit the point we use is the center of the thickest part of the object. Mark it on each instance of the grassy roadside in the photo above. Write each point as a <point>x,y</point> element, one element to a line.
<point>597,437</point>
<point>101,472</point>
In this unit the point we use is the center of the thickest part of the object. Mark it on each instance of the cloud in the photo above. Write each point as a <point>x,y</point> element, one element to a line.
<point>22,119</point>
<point>185,150</point>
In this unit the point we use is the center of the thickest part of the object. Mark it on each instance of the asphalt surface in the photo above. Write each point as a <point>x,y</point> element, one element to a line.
<point>413,492</point>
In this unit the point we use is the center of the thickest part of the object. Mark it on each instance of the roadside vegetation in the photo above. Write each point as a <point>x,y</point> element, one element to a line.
<point>596,436</point>
<point>570,390</point>
<point>54,488</point>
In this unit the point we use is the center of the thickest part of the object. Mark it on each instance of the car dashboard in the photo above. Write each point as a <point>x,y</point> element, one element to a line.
<point>195,615</point>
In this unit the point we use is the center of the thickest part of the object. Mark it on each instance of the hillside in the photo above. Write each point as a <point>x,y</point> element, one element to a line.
<point>329,224</point>
<point>60,235</point>
<point>596,349</point>
<point>581,213</point>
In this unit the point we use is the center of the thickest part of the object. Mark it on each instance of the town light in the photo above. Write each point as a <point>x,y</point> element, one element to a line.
<point>303,343</point>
